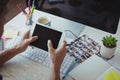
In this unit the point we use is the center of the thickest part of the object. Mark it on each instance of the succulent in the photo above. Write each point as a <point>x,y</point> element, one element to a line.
<point>109,41</point>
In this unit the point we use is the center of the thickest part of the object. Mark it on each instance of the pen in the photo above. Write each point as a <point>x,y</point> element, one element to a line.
<point>71,67</point>
<point>21,9</point>
<point>29,18</point>
<point>29,5</point>
<point>33,3</point>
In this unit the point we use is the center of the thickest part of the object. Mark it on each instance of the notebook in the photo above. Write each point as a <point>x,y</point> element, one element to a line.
<point>90,69</point>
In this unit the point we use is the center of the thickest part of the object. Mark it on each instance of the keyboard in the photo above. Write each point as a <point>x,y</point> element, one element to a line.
<point>41,56</point>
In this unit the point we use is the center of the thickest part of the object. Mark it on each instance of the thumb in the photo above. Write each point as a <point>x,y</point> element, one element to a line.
<point>50,46</point>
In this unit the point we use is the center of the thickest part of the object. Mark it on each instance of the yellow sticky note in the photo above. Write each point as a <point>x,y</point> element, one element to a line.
<point>10,33</point>
<point>113,75</point>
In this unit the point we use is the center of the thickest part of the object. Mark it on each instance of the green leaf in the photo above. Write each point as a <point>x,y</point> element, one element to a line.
<point>109,41</point>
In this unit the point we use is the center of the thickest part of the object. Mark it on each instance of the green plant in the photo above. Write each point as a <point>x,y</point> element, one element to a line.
<point>109,41</point>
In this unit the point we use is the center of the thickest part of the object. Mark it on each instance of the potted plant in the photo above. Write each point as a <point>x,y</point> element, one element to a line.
<point>108,47</point>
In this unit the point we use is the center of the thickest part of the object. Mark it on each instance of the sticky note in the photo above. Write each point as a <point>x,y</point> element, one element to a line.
<point>113,75</point>
<point>11,33</point>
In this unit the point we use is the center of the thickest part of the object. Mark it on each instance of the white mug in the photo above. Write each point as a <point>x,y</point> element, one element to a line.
<point>44,20</point>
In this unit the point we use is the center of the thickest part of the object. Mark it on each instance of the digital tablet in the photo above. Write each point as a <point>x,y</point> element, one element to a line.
<point>44,34</point>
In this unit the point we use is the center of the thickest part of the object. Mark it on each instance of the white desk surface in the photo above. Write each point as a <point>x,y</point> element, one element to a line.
<point>21,68</point>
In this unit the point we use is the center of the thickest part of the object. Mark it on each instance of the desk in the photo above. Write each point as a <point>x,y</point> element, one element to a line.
<point>97,35</point>
<point>21,68</point>
<point>18,23</point>
<point>57,23</point>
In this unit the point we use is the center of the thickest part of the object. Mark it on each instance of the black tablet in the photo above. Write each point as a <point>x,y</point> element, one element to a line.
<point>44,34</point>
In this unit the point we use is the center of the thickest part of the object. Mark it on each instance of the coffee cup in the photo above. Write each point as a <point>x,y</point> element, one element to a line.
<point>44,20</point>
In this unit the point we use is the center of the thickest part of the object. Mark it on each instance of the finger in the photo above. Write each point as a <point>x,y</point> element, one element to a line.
<point>63,44</point>
<point>63,47</point>
<point>32,39</point>
<point>26,35</point>
<point>50,46</point>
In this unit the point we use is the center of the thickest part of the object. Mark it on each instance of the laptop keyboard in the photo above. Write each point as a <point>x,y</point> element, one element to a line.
<point>42,57</point>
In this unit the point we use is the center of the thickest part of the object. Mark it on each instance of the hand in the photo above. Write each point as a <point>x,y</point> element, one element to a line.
<point>25,41</point>
<point>57,55</point>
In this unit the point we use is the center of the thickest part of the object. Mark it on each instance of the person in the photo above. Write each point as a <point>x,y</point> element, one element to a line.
<point>56,55</point>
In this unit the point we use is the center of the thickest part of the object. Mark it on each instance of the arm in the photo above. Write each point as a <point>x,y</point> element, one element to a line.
<point>57,56</point>
<point>2,21</point>
<point>8,54</point>
<point>20,47</point>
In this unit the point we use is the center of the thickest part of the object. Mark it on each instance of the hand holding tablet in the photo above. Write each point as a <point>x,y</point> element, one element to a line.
<point>44,34</point>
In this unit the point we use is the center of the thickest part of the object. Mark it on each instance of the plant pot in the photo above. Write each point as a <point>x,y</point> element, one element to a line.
<point>107,52</point>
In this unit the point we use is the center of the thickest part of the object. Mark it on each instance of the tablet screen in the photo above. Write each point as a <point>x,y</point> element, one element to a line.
<point>44,34</point>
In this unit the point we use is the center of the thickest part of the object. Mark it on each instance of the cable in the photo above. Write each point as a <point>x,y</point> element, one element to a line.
<point>71,33</point>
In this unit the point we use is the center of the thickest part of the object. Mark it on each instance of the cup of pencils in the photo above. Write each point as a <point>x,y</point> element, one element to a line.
<point>28,14</point>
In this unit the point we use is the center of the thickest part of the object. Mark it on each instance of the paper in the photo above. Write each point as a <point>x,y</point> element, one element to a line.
<point>113,75</point>
<point>10,33</point>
